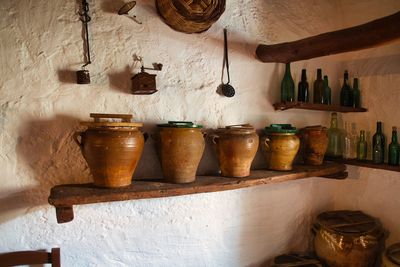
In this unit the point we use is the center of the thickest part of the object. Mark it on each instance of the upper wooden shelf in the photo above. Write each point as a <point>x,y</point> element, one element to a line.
<point>367,164</point>
<point>311,106</point>
<point>63,197</point>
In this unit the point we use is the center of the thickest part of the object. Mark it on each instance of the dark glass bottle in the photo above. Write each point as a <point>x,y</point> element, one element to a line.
<point>378,144</point>
<point>318,89</point>
<point>356,94</point>
<point>362,147</point>
<point>327,92</point>
<point>302,94</point>
<point>394,149</point>
<point>287,86</point>
<point>346,94</point>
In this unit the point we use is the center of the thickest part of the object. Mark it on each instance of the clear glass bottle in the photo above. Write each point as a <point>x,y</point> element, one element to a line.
<point>362,147</point>
<point>335,139</point>
<point>302,94</point>
<point>349,143</point>
<point>356,94</point>
<point>346,94</point>
<point>378,153</point>
<point>318,97</point>
<point>287,86</point>
<point>394,149</point>
<point>354,141</point>
<point>327,91</point>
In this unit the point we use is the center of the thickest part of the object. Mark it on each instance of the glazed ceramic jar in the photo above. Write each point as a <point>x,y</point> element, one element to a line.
<point>280,146</point>
<point>391,256</point>
<point>236,147</point>
<point>180,147</point>
<point>315,142</point>
<point>347,238</point>
<point>111,149</point>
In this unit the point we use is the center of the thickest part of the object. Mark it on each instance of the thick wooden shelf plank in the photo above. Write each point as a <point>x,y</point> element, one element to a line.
<point>367,164</point>
<point>63,197</point>
<point>311,106</point>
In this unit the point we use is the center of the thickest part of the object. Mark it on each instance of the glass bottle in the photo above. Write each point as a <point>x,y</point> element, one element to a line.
<point>318,89</point>
<point>327,92</point>
<point>354,141</point>
<point>356,94</point>
<point>287,86</point>
<point>346,94</point>
<point>378,153</point>
<point>302,95</point>
<point>362,147</point>
<point>394,149</point>
<point>347,142</point>
<point>335,142</point>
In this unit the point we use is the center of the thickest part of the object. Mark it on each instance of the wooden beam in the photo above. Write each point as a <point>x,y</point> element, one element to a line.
<point>367,35</point>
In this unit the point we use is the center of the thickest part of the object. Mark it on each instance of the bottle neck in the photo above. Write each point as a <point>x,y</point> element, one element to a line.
<point>334,123</point>
<point>394,136</point>
<point>346,78</point>
<point>355,83</point>
<point>326,81</point>
<point>379,127</point>
<point>287,69</point>
<point>362,136</point>
<point>319,74</point>
<point>303,76</point>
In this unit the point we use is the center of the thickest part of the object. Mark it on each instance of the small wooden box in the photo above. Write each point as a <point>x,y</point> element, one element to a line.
<point>144,83</point>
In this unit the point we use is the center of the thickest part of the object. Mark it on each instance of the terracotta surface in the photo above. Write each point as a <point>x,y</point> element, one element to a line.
<point>315,142</point>
<point>236,147</point>
<point>280,150</point>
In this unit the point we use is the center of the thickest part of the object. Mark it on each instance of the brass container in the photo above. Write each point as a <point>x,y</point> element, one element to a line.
<point>347,238</point>
<point>391,256</point>
<point>180,146</point>
<point>111,149</point>
<point>315,141</point>
<point>236,147</point>
<point>280,146</point>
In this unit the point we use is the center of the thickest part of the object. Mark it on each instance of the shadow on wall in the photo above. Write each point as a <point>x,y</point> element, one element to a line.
<point>375,66</point>
<point>121,81</point>
<point>50,156</point>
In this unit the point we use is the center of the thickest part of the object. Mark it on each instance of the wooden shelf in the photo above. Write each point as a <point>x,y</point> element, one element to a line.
<point>367,164</point>
<point>311,106</point>
<point>63,197</point>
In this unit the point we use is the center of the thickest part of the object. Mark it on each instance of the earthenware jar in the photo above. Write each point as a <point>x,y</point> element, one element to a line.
<point>391,256</point>
<point>315,141</point>
<point>111,149</point>
<point>346,238</point>
<point>236,147</point>
<point>280,146</point>
<point>180,146</point>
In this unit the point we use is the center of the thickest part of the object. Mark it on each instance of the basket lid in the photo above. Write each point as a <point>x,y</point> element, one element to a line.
<point>126,121</point>
<point>393,253</point>
<point>280,128</point>
<point>180,124</point>
<point>296,260</point>
<point>347,222</point>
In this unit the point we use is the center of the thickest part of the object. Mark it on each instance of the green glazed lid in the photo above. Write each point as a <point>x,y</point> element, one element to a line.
<point>280,129</point>
<point>180,124</point>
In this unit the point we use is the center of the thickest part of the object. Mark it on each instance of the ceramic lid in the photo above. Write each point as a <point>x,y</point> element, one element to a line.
<point>126,121</point>
<point>393,253</point>
<point>238,128</point>
<point>280,129</point>
<point>315,128</point>
<point>347,222</point>
<point>180,124</point>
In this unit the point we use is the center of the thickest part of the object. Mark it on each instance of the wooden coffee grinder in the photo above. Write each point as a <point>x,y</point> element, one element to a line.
<point>144,83</point>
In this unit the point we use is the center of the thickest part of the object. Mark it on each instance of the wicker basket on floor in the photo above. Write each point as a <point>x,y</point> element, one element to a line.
<point>190,16</point>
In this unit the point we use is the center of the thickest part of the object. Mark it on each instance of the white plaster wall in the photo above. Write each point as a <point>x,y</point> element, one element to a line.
<point>40,50</point>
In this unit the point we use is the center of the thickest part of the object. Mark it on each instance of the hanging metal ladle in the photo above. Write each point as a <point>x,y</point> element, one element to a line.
<point>225,88</point>
<point>83,76</point>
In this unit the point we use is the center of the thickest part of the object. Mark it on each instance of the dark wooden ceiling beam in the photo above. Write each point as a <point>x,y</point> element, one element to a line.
<point>363,36</point>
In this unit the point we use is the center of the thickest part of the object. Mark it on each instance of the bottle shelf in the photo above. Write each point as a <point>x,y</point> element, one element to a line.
<point>64,197</point>
<point>320,107</point>
<point>366,164</point>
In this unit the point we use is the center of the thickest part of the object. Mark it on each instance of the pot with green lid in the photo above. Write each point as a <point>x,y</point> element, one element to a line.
<point>391,256</point>
<point>180,147</point>
<point>111,149</point>
<point>236,147</point>
<point>346,238</point>
<point>280,146</point>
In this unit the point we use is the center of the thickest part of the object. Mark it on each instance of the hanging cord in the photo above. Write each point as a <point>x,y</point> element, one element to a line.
<point>226,61</point>
<point>85,18</point>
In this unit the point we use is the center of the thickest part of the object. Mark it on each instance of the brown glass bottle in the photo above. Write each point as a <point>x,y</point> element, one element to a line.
<point>319,89</point>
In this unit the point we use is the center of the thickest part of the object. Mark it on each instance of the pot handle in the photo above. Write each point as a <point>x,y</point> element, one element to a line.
<point>266,140</point>
<point>214,138</point>
<point>76,135</point>
<point>146,136</point>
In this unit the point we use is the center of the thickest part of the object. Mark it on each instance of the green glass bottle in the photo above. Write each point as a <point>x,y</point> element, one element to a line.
<point>287,86</point>
<point>335,139</point>
<point>327,92</point>
<point>378,151</point>
<point>394,149</point>
<point>302,94</point>
<point>346,94</point>
<point>356,94</point>
<point>362,147</point>
<point>318,89</point>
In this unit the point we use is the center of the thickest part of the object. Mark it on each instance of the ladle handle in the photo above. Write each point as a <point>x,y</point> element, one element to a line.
<point>226,61</point>
<point>123,117</point>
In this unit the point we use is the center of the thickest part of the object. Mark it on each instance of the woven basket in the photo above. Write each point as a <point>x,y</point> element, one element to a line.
<point>190,16</point>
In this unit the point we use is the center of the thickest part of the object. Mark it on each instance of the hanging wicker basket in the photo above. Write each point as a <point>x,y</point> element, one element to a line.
<point>190,16</point>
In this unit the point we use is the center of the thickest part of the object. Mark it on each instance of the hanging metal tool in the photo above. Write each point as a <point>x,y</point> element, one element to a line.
<point>83,76</point>
<point>225,88</point>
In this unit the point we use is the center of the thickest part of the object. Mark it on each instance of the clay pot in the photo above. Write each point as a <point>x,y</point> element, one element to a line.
<point>315,140</point>
<point>236,147</point>
<point>280,146</point>
<point>111,149</point>
<point>347,238</point>
<point>180,146</point>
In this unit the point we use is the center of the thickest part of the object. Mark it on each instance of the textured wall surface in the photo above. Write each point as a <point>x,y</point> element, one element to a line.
<point>41,105</point>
